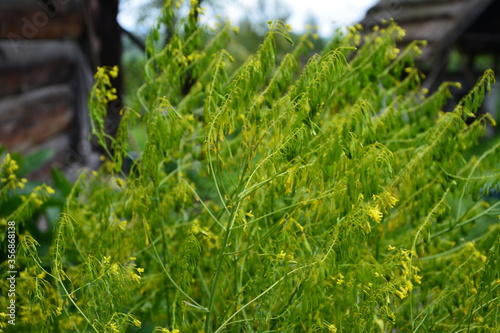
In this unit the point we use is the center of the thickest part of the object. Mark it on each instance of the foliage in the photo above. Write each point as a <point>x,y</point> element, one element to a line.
<point>269,198</point>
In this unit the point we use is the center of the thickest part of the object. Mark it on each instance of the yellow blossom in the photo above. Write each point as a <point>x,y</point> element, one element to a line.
<point>111,95</point>
<point>392,201</point>
<point>58,311</point>
<point>375,214</point>
<point>38,202</point>
<point>114,72</point>
<point>114,269</point>
<point>113,327</point>
<point>122,225</point>
<point>119,182</point>
<point>136,278</point>
<point>101,72</point>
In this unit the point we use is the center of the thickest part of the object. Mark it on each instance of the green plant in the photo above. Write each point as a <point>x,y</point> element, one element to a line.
<point>334,198</point>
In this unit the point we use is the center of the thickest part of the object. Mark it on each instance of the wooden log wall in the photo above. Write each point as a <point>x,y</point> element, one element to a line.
<point>49,50</point>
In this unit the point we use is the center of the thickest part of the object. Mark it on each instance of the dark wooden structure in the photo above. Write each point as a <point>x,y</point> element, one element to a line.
<point>49,50</point>
<point>462,30</point>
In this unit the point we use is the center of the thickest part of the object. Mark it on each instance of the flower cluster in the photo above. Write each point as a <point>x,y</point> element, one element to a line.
<point>104,91</point>
<point>8,178</point>
<point>409,273</point>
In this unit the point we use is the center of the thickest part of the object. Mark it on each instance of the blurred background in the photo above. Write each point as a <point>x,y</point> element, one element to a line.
<point>49,51</point>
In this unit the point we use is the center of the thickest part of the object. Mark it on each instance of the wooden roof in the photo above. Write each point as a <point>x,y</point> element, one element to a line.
<point>443,23</point>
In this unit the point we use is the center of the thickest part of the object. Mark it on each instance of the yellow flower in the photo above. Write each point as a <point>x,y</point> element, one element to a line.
<point>114,72</point>
<point>357,39</point>
<point>111,95</point>
<point>114,327</point>
<point>392,201</point>
<point>38,202</point>
<point>59,311</point>
<point>119,182</point>
<point>140,270</point>
<point>122,225</point>
<point>137,278</point>
<point>375,214</point>
<point>165,330</point>
<point>49,190</point>
<point>114,269</point>
<point>106,259</point>
<point>400,294</point>
<point>100,72</point>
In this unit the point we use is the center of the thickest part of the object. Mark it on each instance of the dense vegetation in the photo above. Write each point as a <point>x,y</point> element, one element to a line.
<point>334,197</point>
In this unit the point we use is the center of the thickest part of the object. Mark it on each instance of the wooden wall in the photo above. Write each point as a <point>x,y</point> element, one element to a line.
<point>49,50</point>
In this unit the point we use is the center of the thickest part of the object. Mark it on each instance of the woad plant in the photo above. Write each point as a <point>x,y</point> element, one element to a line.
<point>333,196</point>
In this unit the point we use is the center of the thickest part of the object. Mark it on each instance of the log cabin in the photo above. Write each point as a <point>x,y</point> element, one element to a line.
<point>463,36</point>
<point>49,50</point>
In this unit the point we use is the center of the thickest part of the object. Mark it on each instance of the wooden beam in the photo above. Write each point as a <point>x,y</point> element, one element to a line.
<point>20,80</point>
<point>28,119</point>
<point>26,25</point>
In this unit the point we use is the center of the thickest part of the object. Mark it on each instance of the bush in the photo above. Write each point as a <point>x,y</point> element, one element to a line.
<point>333,198</point>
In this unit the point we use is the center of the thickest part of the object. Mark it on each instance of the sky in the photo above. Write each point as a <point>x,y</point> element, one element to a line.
<point>329,14</point>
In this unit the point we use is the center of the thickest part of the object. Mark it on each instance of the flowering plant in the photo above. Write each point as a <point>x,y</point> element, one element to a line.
<point>336,197</point>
